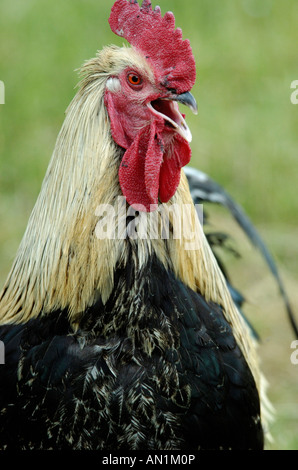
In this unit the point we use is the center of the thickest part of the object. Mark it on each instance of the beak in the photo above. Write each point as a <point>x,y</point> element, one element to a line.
<point>187,99</point>
<point>168,109</point>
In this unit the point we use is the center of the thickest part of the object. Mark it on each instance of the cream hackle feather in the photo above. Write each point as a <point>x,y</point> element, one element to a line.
<point>61,263</point>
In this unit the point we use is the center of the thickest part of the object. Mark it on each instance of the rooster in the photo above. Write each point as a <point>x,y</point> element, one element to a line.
<point>115,340</point>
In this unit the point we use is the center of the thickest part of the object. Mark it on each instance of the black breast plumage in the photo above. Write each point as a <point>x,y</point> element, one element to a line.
<point>156,367</point>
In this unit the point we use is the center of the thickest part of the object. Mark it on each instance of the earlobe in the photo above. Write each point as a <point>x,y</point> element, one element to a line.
<point>113,84</point>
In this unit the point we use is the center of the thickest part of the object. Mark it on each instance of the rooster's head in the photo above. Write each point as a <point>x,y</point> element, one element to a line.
<point>142,101</point>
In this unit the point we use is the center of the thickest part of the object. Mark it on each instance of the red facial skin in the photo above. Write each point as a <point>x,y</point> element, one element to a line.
<point>150,168</point>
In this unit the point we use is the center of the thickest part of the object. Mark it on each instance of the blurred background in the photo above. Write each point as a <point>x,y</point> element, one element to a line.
<point>245,136</point>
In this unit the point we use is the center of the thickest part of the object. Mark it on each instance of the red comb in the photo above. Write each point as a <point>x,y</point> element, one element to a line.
<point>156,37</point>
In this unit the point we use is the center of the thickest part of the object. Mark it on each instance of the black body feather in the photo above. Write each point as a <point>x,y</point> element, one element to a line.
<point>156,367</point>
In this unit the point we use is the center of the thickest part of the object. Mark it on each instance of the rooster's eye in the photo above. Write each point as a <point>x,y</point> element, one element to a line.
<point>134,79</point>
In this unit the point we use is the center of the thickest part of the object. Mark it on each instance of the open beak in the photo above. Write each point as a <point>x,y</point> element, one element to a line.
<point>168,108</point>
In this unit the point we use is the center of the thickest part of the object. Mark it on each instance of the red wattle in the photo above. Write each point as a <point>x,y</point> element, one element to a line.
<point>170,171</point>
<point>139,170</point>
<point>146,174</point>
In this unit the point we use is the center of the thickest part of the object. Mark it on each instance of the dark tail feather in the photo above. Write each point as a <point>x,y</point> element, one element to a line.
<point>203,189</point>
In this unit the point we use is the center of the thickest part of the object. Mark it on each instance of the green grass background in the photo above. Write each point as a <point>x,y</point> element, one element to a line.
<point>245,136</point>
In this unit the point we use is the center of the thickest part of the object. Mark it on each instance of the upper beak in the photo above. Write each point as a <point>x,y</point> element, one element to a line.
<point>188,99</point>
